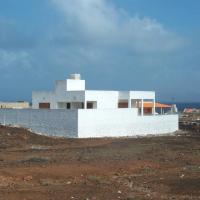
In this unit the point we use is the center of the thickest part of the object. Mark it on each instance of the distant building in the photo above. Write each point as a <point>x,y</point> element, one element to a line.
<point>14,105</point>
<point>191,110</point>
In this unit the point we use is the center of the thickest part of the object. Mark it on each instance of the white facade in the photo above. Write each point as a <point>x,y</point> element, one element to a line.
<point>71,94</point>
<point>105,113</point>
<point>123,123</point>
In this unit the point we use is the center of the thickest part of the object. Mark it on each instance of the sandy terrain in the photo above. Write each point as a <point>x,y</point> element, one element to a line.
<point>34,167</point>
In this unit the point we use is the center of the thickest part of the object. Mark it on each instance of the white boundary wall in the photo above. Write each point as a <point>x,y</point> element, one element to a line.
<point>90,123</point>
<point>61,123</point>
<point>123,122</point>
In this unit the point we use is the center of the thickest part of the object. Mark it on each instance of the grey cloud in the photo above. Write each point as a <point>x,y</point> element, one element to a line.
<point>9,60</point>
<point>12,36</point>
<point>112,50</point>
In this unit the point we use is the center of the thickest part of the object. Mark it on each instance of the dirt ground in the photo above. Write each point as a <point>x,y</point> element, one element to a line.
<point>34,167</point>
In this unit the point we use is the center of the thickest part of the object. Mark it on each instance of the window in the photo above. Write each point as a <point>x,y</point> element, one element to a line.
<point>89,105</point>
<point>123,105</point>
<point>44,105</point>
<point>68,105</point>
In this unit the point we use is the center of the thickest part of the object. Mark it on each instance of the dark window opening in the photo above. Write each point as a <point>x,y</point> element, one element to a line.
<point>44,105</point>
<point>123,105</point>
<point>68,105</point>
<point>89,105</point>
<point>147,110</point>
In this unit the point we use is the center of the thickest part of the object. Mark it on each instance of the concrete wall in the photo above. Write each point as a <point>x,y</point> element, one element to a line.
<point>60,94</point>
<point>70,96</point>
<point>43,97</point>
<point>123,122</point>
<point>49,122</point>
<point>142,95</point>
<point>90,123</point>
<point>56,98</point>
<point>104,99</point>
<point>60,86</point>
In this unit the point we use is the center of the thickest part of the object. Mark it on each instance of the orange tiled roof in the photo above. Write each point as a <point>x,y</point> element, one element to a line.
<point>158,105</point>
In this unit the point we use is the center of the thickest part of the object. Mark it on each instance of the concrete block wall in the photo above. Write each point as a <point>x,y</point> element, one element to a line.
<point>48,122</point>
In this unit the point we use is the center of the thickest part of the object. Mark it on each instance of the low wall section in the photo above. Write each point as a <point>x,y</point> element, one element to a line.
<point>123,122</point>
<point>90,123</point>
<point>48,122</point>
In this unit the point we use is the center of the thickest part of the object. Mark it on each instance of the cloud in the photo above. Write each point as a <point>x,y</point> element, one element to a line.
<point>97,22</point>
<point>110,47</point>
<point>122,51</point>
<point>9,60</point>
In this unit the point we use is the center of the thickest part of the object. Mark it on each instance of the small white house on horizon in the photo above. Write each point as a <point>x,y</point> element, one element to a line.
<point>107,113</point>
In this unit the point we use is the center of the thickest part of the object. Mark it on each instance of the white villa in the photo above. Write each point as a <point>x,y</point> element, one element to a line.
<point>106,113</point>
<point>72,94</point>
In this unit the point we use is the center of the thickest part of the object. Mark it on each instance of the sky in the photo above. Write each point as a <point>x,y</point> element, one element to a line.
<point>114,44</point>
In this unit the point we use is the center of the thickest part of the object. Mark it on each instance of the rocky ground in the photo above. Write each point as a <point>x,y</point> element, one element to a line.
<point>190,121</point>
<point>34,167</point>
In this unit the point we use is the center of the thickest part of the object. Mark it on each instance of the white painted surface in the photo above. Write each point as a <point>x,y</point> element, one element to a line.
<point>142,95</point>
<point>73,90</point>
<point>90,123</point>
<point>75,85</point>
<point>123,95</point>
<point>60,86</point>
<point>104,99</point>
<point>123,122</point>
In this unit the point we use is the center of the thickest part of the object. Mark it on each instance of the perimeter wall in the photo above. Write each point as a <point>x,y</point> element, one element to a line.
<point>123,122</point>
<point>49,122</point>
<point>89,123</point>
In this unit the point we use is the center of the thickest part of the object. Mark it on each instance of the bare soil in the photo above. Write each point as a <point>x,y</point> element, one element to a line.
<point>34,167</point>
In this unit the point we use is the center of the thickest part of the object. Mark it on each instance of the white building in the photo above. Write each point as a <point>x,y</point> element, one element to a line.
<point>14,105</point>
<point>71,94</point>
<point>106,113</point>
